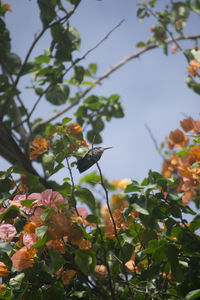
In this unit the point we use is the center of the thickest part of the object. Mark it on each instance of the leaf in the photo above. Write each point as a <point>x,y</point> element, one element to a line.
<point>5,247</point>
<point>141,45</point>
<point>41,231</point>
<point>193,85</point>
<point>93,219</point>
<point>47,11</point>
<point>57,94</point>
<point>98,125</point>
<point>66,120</point>
<point>133,187</point>
<point>138,208</point>
<point>57,260</point>
<point>85,260</point>
<point>195,224</point>
<point>13,63</point>
<point>195,6</point>
<point>15,282</point>
<point>28,202</point>
<point>11,212</point>
<point>43,59</point>
<point>179,11</point>
<point>5,185</point>
<point>195,294</point>
<point>94,137</point>
<point>48,161</point>
<point>79,73</point>
<point>93,68</point>
<point>127,251</point>
<point>91,178</point>
<point>85,196</point>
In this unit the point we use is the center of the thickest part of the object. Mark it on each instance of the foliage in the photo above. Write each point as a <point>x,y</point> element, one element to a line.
<point>133,241</point>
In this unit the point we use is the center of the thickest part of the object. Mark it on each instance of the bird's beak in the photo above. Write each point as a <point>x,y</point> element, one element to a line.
<point>107,148</point>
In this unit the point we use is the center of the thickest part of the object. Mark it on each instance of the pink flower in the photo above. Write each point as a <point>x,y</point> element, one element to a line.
<point>17,200</point>
<point>52,199</point>
<point>82,211</point>
<point>23,259</point>
<point>36,218</point>
<point>7,232</point>
<point>29,239</point>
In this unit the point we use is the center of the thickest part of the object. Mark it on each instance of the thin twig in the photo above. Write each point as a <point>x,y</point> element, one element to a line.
<point>115,231</point>
<point>73,186</point>
<point>105,75</point>
<point>154,141</point>
<point>107,265</point>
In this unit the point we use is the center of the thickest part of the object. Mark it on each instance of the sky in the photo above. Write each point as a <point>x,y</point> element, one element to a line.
<point>152,87</point>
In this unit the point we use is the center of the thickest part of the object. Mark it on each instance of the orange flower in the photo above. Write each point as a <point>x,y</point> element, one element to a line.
<point>178,138</point>
<point>193,67</point>
<point>67,276</point>
<point>174,48</point>
<point>60,225</point>
<point>100,271</point>
<point>23,259</point>
<point>39,146</point>
<point>3,270</point>
<point>74,128</point>
<point>2,286</point>
<point>187,124</point>
<point>75,236</point>
<point>57,245</point>
<point>85,245</point>
<point>6,6</point>
<point>30,227</point>
<point>83,143</point>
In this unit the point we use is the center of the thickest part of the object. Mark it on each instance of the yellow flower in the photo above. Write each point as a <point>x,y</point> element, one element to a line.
<point>121,183</point>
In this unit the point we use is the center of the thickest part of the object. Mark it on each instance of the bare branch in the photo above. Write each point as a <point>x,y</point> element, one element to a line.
<point>154,141</point>
<point>108,73</point>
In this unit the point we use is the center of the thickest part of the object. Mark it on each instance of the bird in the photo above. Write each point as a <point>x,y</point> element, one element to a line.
<point>91,157</point>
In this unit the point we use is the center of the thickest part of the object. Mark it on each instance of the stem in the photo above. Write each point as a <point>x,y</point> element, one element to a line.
<point>73,186</point>
<point>115,231</point>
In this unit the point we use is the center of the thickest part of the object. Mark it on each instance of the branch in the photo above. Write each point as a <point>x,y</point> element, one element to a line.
<point>115,230</point>
<point>108,73</point>
<point>73,186</point>
<point>154,141</point>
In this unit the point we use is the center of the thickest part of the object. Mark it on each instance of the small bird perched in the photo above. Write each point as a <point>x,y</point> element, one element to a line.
<point>91,157</point>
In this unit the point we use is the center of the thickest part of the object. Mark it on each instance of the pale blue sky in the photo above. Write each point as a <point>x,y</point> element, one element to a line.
<point>152,87</point>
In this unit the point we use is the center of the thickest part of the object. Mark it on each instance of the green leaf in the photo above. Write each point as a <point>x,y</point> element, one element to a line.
<point>195,6</point>
<point>179,11</point>
<point>195,224</point>
<point>57,260</point>
<point>91,178</point>
<point>47,11</point>
<point>66,120</point>
<point>47,213</point>
<point>28,202</point>
<point>133,187</point>
<point>195,294</point>
<point>57,94</point>
<point>98,125</point>
<point>48,161</point>
<point>141,45</point>
<point>15,282</point>
<point>41,231</point>
<point>5,185</point>
<point>86,261</point>
<point>75,38</point>
<point>79,73</point>
<point>140,209</point>
<point>41,242</point>
<point>13,63</point>
<point>5,247</point>
<point>94,137</point>
<point>93,219</point>
<point>43,59</point>
<point>85,196</point>
<point>93,68</point>
<point>127,251</point>
<point>11,212</point>
<point>193,85</point>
